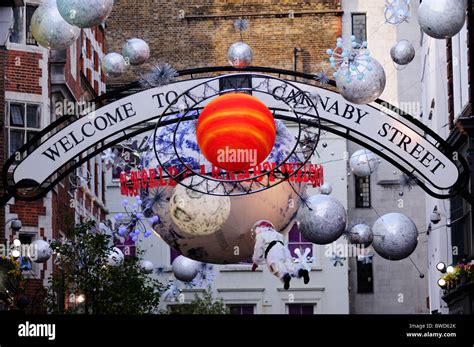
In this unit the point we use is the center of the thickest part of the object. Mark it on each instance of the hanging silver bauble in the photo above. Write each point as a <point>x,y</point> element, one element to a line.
<point>395,236</point>
<point>185,269</point>
<point>50,30</point>
<point>39,251</point>
<point>113,65</point>
<point>240,55</point>
<point>402,52</point>
<point>442,19</point>
<point>197,213</point>
<point>146,266</point>
<point>322,219</point>
<point>85,13</point>
<point>115,257</point>
<point>325,189</point>
<point>365,89</point>
<point>360,234</point>
<point>363,163</point>
<point>136,51</point>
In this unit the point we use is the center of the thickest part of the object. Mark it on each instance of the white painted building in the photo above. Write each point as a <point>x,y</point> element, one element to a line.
<point>385,286</point>
<point>435,79</point>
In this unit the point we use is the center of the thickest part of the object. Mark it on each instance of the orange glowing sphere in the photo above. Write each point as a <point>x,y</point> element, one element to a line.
<point>236,131</point>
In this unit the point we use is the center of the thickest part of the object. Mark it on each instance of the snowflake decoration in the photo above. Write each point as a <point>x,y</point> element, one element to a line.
<point>322,78</point>
<point>172,291</point>
<point>161,75</point>
<point>137,149</point>
<point>397,11</point>
<point>351,62</point>
<point>241,24</point>
<point>132,223</point>
<point>337,260</point>
<point>205,276</point>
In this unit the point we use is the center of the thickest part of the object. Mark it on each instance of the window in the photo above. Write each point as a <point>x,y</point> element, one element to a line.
<point>23,123</point>
<point>241,309</point>
<point>300,309</point>
<point>296,240</point>
<point>362,191</point>
<point>173,254</point>
<point>359,27</point>
<point>21,32</point>
<point>365,276</point>
<point>235,82</point>
<point>460,71</point>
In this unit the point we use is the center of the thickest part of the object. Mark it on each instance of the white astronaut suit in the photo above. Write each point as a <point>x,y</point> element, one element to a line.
<point>271,249</point>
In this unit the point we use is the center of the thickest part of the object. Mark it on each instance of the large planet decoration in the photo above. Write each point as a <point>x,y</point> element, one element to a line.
<point>233,242</point>
<point>395,236</point>
<point>236,131</point>
<point>197,213</point>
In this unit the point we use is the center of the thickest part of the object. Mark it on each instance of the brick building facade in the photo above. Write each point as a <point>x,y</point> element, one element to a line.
<point>39,86</point>
<point>191,34</point>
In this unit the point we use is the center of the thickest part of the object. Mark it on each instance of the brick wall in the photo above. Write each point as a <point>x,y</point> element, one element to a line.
<point>2,137</point>
<point>203,38</point>
<point>23,73</point>
<point>28,212</point>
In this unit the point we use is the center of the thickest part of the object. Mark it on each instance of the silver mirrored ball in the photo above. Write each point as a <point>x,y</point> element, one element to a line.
<point>360,234</point>
<point>442,19</point>
<point>322,219</point>
<point>113,65</point>
<point>364,90</point>
<point>136,51</point>
<point>50,30</point>
<point>185,269</point>
<point>240,55</point>
<point>85,13</point>
<point>402,52</point>
<point>363,163</point>
<point>395,236</point>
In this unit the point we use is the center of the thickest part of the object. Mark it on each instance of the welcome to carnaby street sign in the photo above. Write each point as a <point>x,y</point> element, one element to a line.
<point>406,143</point>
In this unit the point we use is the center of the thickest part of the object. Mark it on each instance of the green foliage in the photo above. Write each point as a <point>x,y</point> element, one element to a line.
<point>81,261</point>
<point>202,304</point>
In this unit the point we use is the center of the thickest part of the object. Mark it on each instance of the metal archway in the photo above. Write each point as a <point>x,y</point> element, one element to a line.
<point>24,183</point>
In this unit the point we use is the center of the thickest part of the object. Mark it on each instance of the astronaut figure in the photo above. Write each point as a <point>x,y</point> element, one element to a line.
<point>270,248</point>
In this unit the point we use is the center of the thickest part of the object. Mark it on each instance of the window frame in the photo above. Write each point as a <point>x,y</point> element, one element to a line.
<point>302,244</point>
<point>26,37</point>
<point>241,306</point>
<point>368,287</point>
<point>25,129</point>
<point>359,190</point>
<point>355,14</point>
<point>300,304</point>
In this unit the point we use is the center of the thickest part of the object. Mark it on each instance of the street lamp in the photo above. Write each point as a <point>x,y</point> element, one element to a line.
<point>442,283</point>
<point>441,267</point>
<point>435,216</point>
